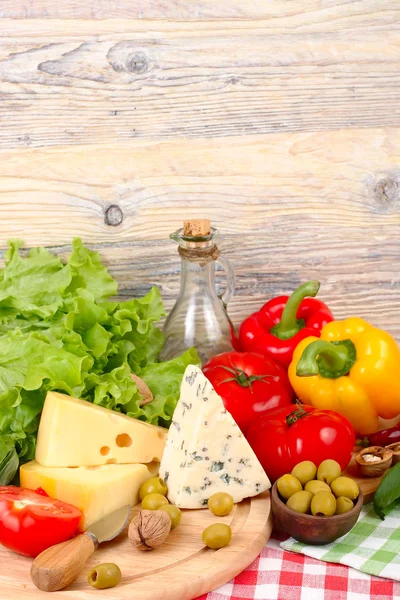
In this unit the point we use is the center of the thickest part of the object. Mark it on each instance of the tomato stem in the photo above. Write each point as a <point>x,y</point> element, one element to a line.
<point>297,414</point>
<point>241,377</point>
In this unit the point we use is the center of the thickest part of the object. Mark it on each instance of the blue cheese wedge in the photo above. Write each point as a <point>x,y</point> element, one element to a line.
<point>205,451</point>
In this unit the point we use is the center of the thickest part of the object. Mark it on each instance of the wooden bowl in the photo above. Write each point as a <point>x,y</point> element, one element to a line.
<point>309,529</point>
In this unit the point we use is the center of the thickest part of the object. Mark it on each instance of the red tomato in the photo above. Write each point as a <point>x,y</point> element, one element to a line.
<point>31,522</point>
<point>315,435</point>
<point>249,384</point>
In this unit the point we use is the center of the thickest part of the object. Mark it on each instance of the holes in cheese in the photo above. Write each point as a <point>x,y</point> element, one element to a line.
<point>77,432</point>
<point>111,461</point>
<point>153,467</point>
<point>123,440</point>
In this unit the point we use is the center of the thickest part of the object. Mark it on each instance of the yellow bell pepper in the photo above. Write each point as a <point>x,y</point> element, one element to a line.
<point>353,369</point>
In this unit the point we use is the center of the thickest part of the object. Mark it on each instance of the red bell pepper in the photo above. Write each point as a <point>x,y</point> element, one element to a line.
<point>277,328</point>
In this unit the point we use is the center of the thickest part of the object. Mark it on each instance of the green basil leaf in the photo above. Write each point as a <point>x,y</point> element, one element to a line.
<point>387,492</point>
<point>9,462</point>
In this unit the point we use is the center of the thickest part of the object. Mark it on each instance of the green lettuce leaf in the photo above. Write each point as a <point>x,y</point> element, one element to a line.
<point>33,286</point>
<point>164,379</point>
<point>60,331</point>
<point>88,273</point>
<point>9,461</point>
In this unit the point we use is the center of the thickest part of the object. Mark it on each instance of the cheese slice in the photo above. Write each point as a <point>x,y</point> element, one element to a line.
<point>76,433</point>
<point>97,491</point>
<point>206,452</point>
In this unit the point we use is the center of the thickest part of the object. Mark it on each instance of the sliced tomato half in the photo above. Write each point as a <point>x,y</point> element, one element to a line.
<point>31,522</point>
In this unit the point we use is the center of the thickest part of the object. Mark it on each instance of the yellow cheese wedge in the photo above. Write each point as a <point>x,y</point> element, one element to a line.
<point>76,433</point>
<point>97,491</point>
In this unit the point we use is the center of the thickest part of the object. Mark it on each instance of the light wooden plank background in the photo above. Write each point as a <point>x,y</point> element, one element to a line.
<point>280,120</point>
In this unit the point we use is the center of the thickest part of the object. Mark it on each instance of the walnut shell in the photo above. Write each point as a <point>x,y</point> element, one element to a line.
<point>143,389</point>
<point>395,448</point>
<point>374,469</point>
<point>149,529</point>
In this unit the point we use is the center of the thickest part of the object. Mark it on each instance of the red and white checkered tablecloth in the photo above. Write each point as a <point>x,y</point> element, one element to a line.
<point>279,575</point>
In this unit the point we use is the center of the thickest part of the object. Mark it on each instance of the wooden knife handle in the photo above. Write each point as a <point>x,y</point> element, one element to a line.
<point>59,565</point>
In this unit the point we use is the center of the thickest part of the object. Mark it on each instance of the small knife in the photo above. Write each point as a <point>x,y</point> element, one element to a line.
<point>59,565</point>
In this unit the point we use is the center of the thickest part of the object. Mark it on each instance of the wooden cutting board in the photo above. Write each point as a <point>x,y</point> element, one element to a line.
<point>181,569</point>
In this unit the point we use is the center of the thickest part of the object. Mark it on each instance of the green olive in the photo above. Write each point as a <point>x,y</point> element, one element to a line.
<point>217,535</point>
<point>174,512</point>
<point>315,486</point>
<point>344,486</point>
<point>220,504</point>
<point>328,470</point>
<point>343,505</point>
<point>288,485</point>
<point>323,504</point>
<point>155,485</point>
<point>300,501</point>
<point>104,576</point>
<point>304,471</point>
<point>153,501</point>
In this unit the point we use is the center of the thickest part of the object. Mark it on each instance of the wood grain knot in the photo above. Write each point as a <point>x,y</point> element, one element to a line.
<point>113,215</point>
<point>124,57</point>
<point>137,63</point>
<point>387,193</point>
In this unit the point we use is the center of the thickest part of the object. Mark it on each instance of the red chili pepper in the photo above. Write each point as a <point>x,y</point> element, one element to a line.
<point>277,328</point>
<point>381,438</point>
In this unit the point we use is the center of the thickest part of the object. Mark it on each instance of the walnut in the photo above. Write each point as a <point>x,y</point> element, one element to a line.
<point>149,529</point>
<point>371,458</point>
<point>143,389</point>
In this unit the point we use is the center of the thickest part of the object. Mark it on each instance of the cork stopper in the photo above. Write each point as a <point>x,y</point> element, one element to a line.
<point>196,227</point>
